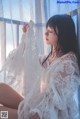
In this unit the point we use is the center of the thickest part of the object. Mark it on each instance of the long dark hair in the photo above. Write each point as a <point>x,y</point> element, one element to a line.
<point>67,38</point>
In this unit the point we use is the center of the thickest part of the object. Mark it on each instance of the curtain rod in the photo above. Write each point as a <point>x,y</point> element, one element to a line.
<point>19,22</point>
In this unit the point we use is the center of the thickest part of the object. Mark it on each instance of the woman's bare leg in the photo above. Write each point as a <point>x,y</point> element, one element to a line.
<point>12,113</point>
<point>9,97</point>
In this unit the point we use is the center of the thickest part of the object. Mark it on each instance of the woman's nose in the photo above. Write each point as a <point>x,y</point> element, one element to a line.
<point>46,34</point>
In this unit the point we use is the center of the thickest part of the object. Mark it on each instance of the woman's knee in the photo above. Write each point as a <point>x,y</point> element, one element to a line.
<point>3,85</point>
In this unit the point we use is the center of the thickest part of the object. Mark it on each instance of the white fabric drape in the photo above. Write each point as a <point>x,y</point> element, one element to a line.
<point>52,94</point>
<point>2,37</point>
<point>2,43</point>
<point>22,65</point>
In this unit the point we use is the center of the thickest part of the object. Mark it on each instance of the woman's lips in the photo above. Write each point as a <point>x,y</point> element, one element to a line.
<point>46,39</point>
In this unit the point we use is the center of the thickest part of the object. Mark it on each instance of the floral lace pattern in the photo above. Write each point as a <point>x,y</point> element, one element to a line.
<point>58,84</point>
<point>52,94</point>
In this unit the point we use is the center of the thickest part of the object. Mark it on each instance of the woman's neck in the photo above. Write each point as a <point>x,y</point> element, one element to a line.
<point>57,53</point>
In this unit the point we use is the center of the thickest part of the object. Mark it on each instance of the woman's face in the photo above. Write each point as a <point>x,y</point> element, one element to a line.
<point>51,37</point>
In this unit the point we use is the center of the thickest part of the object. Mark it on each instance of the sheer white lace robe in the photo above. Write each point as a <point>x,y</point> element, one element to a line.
<point>52,94</point>
<point>52,97</point>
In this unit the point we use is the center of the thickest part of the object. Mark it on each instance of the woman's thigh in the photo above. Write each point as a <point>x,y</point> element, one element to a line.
<point>12,113</point>
<point>9,97</point>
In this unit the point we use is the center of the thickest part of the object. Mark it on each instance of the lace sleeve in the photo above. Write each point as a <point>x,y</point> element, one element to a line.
<point>15,56</point>
<point>67,81</point>
<point>62,83</point>
<point>13,66</point>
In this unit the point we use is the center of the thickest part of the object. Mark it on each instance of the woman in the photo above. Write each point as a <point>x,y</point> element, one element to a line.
<point>53,95</point>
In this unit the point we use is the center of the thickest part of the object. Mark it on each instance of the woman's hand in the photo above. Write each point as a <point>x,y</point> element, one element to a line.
<point>25,27</point>
<point>35,116</point>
